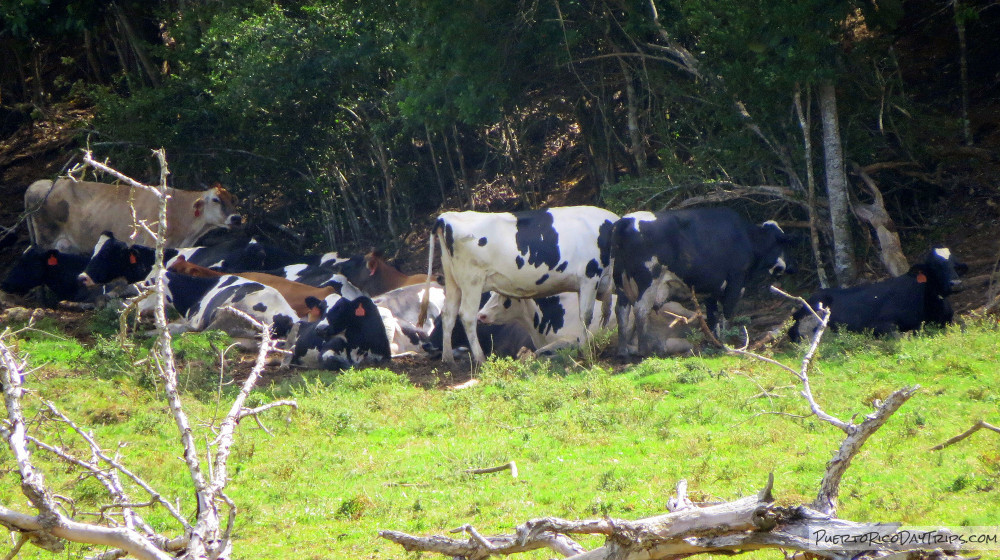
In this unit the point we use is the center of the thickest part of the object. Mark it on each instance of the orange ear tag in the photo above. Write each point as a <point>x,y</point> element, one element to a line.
<point>921,278</point>
<point>131,258</point>
<point>53,260</point>
<point>360,311</point>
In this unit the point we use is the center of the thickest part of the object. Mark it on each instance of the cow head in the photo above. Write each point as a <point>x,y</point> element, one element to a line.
<point>110,260</point>
<point>942,269</point>
<point>374,260</point>
<point>502,309</point>
<point>217,206</point>
<point>771,245</point>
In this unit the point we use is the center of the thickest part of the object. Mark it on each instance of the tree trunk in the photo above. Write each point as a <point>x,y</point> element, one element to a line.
<point>836,187</point>
<point>963,65</point>
<point>383,161</point>
<point>805,121</point>
<point>635,136</point>
<point>137,47</point>
<point>437,170</point>
<point>466,186</point>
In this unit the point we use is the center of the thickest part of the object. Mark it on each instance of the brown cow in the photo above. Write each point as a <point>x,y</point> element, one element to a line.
<point>383,277</point>
<point>70,215</point>
<point>293,292</point>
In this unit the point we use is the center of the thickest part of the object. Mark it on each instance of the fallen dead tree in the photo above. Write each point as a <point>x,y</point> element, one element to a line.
<point>120,526</point>
<point>751,523</point>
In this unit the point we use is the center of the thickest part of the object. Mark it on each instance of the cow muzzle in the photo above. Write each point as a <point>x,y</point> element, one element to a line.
<point>85,280</point>
<point>235,220</point>
<point>956,285</point>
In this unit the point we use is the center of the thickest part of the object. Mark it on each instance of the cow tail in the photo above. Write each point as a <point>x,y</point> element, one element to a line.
<point>426,301</point>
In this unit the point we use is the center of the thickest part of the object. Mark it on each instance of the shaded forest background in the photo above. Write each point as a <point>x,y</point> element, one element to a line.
<point>346,124</point>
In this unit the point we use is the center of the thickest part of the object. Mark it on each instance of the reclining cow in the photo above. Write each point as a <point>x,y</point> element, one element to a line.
<point>55,270</point>
<point>295,294</point>
<point>554,323</point>
<point>202,303</point>
<point>904,303</point>
<point>350,332</point>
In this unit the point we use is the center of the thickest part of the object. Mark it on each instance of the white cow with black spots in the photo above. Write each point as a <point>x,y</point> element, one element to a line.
<point>528,254</point>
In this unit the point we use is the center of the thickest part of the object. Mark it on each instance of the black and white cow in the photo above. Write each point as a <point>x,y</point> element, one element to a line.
<point>528,254</point>
<point>114,258</point>
<point>553,321</point>
<point>404,303</point>
<point>334,271</point>
<point>351,331</point>
<point>904,303</point>
<point>201,302</point>
<point>50,268</point>
<point>713,251</point>
<point>239,253</point>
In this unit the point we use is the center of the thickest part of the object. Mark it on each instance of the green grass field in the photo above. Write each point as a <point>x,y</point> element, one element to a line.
<point>366,450</point>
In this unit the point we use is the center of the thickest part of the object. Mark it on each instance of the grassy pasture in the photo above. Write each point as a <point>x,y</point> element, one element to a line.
<point>367,450</point>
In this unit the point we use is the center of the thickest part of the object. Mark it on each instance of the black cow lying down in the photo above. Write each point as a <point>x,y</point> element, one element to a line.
<point>350,332</point>
<point>50,268</point>
<point>904,303</point>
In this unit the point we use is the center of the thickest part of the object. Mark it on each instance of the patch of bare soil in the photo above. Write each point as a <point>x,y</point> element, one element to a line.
<point>38,150</point>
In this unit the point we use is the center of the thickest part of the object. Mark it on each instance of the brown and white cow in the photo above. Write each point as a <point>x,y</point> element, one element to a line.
<point>70,215</point>
<point>294,293</point>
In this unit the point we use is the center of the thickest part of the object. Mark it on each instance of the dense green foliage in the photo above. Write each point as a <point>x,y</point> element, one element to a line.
<point>367,450</point>
<point>347,120</point>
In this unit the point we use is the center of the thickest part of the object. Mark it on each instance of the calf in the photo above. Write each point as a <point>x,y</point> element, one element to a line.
<point>713,251</point>
<point>350,332</point>
<point>201,301</point>
<point>294,293</point>
<point>535,253</point>
<point>904,303</point>
<point>51,268</point>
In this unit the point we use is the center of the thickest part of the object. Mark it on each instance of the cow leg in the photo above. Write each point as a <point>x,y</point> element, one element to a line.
<point>469,313</point>
<point>587,297</point>
<point>622,309</point>
<point>448,316</point>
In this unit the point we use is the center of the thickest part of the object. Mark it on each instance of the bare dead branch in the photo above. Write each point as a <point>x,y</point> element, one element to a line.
<point>511,466</point>
<point>975,428</point>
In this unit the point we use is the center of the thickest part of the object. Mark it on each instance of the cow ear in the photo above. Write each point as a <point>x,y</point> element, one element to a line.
<point>198,206</point>
<point>217,186</point>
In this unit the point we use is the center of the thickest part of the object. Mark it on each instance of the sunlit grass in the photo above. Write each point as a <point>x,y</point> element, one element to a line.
<point>367,450</point>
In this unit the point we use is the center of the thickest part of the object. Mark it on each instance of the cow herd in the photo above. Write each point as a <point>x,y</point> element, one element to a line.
<point>538,279</point>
